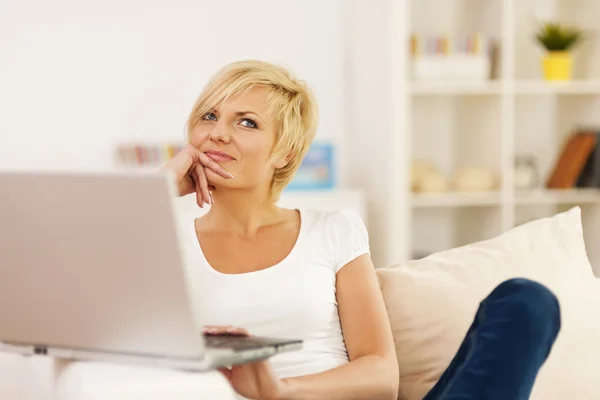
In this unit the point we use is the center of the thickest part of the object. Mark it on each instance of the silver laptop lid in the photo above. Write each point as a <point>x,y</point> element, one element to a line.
<point>92,261</point>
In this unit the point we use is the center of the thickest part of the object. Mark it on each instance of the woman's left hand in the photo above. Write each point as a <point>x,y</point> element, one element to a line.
<point>255,380</point>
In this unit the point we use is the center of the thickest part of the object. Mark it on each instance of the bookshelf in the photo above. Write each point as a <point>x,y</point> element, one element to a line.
<point>488,123</point>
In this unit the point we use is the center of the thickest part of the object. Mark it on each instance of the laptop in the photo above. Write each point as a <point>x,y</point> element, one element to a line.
<point>92,268</point>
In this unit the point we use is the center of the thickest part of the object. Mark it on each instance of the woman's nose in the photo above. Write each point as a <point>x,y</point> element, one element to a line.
<point>220,133</point>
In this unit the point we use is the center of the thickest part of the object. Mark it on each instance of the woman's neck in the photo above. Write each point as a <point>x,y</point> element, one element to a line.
<point>243,212</point>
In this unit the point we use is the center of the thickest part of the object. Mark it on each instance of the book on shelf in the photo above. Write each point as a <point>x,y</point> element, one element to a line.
<point>447,45</point>
<point>578,164</point>
<point>146,154</point>
<point>590,175</point>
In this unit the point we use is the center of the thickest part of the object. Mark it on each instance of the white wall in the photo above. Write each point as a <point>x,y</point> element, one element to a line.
<point>377,142</point>
<point>77,77</point>
<point>367,40</point>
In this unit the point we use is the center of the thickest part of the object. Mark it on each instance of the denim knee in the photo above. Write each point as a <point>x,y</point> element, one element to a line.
<point>530,301</point>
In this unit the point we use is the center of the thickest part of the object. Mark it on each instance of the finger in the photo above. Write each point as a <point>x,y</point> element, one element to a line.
<point>213,166</point>
<point>202,183</point>
<point>179,166</point>
<point>187,186</point>
<point>216,329</point>
<point>237,331</point>
<point>197,190</point>
<point>225,330</point>
<point>226,373</point>
<point>181,163</point>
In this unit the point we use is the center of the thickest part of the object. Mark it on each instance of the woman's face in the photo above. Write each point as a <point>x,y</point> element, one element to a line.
<point>239,136</point>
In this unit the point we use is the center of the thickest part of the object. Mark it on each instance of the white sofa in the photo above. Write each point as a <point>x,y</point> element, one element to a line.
<point>44,378</point>
<point>431,303</point>
<point>28,378</point>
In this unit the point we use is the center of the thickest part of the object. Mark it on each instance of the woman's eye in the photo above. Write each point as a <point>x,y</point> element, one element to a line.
<point>248,123</point>
<point>210,117</point>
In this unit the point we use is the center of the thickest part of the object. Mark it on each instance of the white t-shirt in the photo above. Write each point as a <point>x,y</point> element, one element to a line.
<point>295,298</point>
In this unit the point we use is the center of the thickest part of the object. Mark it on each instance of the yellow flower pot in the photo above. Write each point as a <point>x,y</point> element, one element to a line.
<point>557,66</point>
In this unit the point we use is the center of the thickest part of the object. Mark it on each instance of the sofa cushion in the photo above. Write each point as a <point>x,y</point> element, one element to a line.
<point>431,303</point>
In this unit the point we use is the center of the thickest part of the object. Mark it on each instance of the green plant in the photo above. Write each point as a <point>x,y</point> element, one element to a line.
<point>556,37</point>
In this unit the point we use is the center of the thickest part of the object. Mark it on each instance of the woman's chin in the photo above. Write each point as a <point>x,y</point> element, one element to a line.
<point>216,182</point>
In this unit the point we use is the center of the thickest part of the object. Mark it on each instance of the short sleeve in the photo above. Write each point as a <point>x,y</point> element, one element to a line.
<point>350,238</point>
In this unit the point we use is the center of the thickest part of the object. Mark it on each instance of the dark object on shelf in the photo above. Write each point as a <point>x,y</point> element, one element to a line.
<point>590,176</point>
<point>573,159</point>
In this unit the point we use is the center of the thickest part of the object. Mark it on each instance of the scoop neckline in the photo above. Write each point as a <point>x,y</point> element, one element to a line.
<point>291,255</point>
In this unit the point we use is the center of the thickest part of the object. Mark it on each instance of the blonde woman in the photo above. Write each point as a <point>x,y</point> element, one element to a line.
<point>281,272</point>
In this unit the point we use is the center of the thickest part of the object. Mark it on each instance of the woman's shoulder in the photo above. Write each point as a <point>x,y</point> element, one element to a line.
<point>341,233</point>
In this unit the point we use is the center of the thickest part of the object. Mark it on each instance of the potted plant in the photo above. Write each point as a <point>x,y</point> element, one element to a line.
<point>558,40</point>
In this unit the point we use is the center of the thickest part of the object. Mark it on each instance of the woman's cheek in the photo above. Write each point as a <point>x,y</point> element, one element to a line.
<point>197,139</point>
<point>257,147</point>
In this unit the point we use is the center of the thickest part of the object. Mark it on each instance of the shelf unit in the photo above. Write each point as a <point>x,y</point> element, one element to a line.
<point>455,88</point>
<point>487,124</point>
<point>574,88</point>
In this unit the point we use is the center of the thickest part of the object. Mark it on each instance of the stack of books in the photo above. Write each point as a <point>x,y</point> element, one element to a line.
<point>137,154</point>
<point>578,164</point>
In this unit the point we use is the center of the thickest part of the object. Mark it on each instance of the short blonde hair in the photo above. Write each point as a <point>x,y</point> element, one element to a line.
<point>291,103</point>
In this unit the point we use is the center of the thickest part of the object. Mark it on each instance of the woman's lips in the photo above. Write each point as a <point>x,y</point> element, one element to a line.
<point>219,156</point>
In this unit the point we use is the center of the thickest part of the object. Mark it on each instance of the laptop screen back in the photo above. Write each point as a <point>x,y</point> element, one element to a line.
<point>91,261</point>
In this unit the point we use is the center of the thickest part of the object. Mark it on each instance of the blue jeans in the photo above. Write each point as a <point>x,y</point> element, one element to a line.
<point>503,350</point>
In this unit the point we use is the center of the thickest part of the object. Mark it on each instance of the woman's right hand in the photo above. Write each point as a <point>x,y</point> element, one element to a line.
<point>188,169</point>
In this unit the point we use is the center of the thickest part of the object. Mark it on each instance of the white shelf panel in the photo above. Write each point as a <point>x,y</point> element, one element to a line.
<point>533,87</point>
<point>488,199</point>
<point>558,196</point>
<point>456,199</point>
<point>455,88</point>
<point>566,88</point>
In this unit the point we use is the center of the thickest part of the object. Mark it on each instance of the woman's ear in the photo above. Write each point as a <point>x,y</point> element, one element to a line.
<point>282,162</point>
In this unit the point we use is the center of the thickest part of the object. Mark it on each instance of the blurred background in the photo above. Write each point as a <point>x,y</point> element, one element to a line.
<point>443,122</point>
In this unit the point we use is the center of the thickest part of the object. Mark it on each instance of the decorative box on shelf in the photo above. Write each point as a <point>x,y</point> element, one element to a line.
<point>466,58</point>
<point>317,171</point>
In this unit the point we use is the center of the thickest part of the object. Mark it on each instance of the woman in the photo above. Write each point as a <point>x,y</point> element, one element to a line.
<point>304,273</point>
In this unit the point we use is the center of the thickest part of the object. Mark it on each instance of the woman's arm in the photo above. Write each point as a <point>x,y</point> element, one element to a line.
<point>373,369</point>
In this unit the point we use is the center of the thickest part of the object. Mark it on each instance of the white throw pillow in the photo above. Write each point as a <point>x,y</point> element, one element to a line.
<point>431,303</point>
